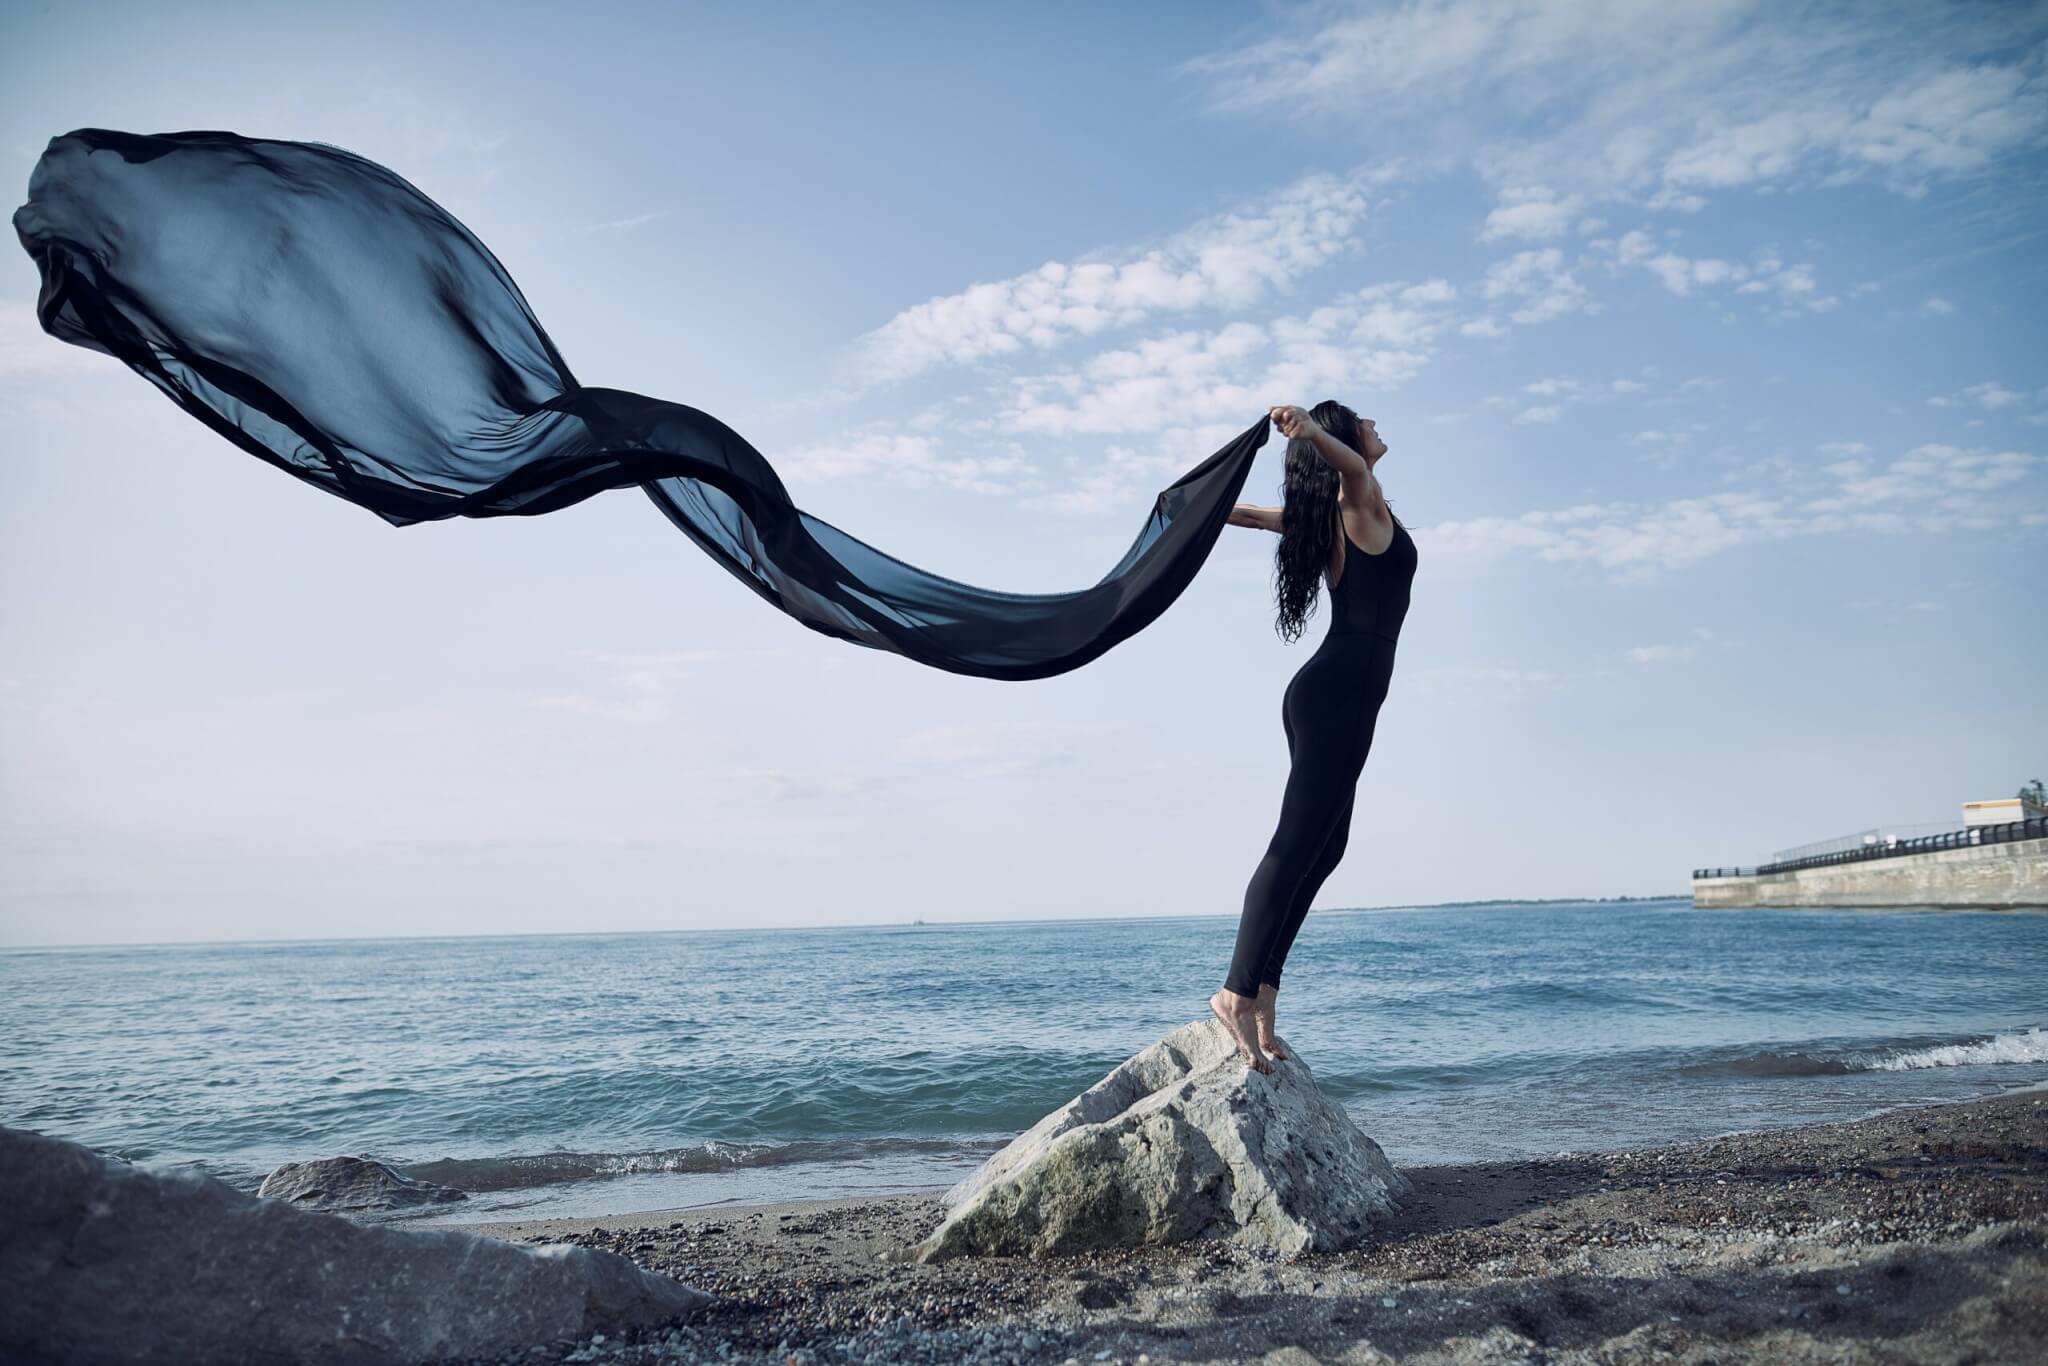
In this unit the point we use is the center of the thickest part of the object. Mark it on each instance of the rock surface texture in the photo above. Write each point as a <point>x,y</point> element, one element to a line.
<point>352,1185</point>
<point>1181,1141</point>
<point>105,1262</point>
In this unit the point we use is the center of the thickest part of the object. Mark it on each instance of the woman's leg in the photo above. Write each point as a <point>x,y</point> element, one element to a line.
<point>1357,745</point>
<point>1311,883</point>
<point>1318,786</point>
<point>1267,1012</point>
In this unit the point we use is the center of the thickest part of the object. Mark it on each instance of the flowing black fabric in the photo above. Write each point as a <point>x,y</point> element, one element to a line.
<point>317,310</point>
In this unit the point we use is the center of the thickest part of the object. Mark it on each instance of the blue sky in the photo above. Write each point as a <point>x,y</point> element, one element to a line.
<point>1714,390</point>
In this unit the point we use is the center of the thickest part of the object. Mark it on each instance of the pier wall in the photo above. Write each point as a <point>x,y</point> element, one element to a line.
<point>2010,874</point>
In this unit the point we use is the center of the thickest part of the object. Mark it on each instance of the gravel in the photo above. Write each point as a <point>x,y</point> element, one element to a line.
<point>1917,1235</point>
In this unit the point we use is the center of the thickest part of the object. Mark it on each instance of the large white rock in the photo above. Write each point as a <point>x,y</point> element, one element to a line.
<point>1181,1141</point>
<point>101,1261</point>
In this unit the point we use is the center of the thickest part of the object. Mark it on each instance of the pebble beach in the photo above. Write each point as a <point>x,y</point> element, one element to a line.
<point>1916,1235</point>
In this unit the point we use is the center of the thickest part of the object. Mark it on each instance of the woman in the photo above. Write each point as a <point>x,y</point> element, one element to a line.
<point>1334,525</point>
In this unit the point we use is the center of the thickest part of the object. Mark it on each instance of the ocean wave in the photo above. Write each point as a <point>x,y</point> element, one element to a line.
<point>2025,1046</point>
<point>1772,1064</point>
<point>2029,1045</point>
<point>550,1169</point>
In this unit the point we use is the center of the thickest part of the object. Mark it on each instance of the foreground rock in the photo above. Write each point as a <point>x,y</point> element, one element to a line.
<point>352,1185</point>
<point>1182,1141</point>
<point>105,1262</point>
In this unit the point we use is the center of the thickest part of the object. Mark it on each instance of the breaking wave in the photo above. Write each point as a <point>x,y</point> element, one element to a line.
<point>2025,1046</point>
<point>2030,1045</point>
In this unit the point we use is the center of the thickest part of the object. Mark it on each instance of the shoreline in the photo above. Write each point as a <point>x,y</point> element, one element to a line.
<point>553,1225</point>
<point>516,1228</point>
<point>1917,1233</point>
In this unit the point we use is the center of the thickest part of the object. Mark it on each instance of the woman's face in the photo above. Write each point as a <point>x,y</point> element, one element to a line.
<point>1372,448</point>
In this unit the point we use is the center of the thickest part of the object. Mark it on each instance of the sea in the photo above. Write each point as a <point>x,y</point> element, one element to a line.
<point>607,1074</point>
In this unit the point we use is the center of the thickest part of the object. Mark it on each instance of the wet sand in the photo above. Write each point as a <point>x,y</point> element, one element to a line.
<point>1919,1235</point>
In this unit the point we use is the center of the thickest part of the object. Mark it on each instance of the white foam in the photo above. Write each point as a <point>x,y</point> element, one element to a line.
<point>2027,1046</point>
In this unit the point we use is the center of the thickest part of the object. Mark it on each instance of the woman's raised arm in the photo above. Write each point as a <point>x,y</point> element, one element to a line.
<point>1361,488</point>
<point>1252,515</point>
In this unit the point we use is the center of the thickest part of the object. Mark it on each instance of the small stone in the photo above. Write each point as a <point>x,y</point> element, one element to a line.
<point>1841,1290</point>
<point>1387,1301</point>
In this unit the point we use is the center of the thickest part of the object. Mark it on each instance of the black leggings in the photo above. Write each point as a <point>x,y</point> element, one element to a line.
<point>1330,708</point>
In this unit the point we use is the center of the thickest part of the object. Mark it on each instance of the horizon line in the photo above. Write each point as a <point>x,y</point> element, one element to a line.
<point>854,925</point>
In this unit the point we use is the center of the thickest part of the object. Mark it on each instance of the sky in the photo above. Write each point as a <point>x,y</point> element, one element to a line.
<point>1706,340</point>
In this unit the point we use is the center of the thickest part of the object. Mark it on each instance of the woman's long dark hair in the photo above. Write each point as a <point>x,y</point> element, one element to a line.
<point>1308,519</point>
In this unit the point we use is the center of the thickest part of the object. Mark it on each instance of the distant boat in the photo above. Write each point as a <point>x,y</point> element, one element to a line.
<point>918,921</point>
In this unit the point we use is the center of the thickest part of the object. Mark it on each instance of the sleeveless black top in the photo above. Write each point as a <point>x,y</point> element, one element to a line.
<point>1372,597</point>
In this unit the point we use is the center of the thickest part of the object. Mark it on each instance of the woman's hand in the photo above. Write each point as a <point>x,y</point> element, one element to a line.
<point>1293,421</point>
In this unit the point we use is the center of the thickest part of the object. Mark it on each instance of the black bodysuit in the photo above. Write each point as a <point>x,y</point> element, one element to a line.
<point>1328,712</point>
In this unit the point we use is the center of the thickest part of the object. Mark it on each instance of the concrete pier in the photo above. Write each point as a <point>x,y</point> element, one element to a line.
<point>2007,875</point>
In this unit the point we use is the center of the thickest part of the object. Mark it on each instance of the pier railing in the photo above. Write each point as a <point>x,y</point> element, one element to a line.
<point>2032,828</point>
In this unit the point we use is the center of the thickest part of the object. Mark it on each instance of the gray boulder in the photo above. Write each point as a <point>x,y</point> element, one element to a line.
<point>101,1261</point>
<point>352,1185</point>
<point>1181,1141</point>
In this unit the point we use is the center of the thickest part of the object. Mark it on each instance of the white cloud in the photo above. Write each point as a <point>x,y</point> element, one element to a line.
<point>1498,683</point>
<point>1377,337</point>
<point>996,749</point>
<point>1992,395</point>
<point>1227,261</point>
<point>1125,476</point>
<point>776,784</point>
<point>1932,488</point>
<point>906,459</point>
<point>1675,200</point>
<point>1564,391</point>
<point>621,224</point>
<point>1762,94</point>
<point>1661,654</point>
<point>1531,212</point>
<point>1619,536</point>
<point>642,687</point>
<point>1541,282</point>
<point>1988,394</point>
<point>1948,481</point>
<point>1790,286</point>
<point>1937,306</point>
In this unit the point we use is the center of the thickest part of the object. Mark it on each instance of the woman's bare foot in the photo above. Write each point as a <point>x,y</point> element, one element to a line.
<point>1268,995</point>
<point>1240,1015</point>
